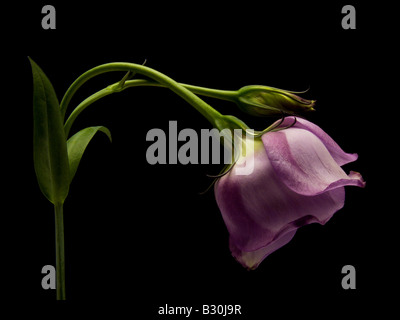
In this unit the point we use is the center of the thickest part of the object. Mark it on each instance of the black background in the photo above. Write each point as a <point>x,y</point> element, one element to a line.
<point>139,236</point>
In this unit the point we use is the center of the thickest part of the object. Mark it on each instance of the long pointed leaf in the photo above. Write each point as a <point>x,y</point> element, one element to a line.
<point>49,143</point>
<point>77,144</point>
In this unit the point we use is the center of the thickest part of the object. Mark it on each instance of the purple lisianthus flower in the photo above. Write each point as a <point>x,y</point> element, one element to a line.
<point>297,180</point>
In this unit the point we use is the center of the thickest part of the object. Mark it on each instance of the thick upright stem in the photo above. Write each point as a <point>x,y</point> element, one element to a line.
<point>60,256</point>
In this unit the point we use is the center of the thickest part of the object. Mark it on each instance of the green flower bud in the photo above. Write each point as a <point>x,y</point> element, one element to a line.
<point>267,101</point>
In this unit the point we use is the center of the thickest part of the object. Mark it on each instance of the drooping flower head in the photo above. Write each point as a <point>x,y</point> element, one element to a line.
<point>297,180</point>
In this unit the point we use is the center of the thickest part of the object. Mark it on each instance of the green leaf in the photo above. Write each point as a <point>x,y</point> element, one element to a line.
<point>49,144</point>
<point>77,144</point>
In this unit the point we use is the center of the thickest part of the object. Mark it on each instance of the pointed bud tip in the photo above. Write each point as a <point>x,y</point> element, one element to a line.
<point>312,104</point>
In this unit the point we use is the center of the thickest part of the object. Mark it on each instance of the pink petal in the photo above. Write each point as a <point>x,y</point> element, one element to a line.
<point>334,149</point>
<point>304,163</point>
<point>261,212</point>
<point>251,259</point>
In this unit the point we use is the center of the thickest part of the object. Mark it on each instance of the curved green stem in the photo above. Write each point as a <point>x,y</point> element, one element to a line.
<point>227,95</point>
<point>212,115</point>
<point>213,93</point>
<point>82,106</point>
